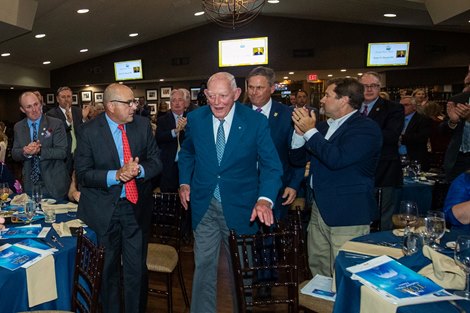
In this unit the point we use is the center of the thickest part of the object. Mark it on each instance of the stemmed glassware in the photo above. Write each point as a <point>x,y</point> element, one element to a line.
<point>435,227</point>
<point>408,214</point>
<point>29,211</point>
<point>36,195</point>
<point>4,189</point>
<point>462,258</point>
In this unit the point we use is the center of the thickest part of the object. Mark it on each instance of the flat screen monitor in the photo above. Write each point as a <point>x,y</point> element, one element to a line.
<point>388,54</point>
<point>128,70</point>
<point>241,52</point>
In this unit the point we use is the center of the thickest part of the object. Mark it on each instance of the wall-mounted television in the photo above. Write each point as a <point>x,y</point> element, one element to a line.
<point>388,54</point>
<point>128,70</point>
<point>241,52</point>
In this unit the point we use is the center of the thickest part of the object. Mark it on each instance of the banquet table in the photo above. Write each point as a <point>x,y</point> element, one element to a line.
<point>13,286</point>
<point>419,192</point>
<point>348,295</point>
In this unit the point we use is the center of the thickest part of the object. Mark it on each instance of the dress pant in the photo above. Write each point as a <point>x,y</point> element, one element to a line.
<point>123,242</point>
<point>208,235</point>
<point>389,203</point>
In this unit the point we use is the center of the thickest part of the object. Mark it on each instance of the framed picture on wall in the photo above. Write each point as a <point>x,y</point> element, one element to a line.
<point>153,108</point>
<point>152,94</point>
<point>74,99</point>
<point>98,96</point>
<point>86,96</point>
<point>50,98</point>
<point>194,92</point>
<point>165,92</point>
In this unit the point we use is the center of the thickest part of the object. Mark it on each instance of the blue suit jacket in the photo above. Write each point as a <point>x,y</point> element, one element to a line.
<point>343,171</point>
<point>250,166</point>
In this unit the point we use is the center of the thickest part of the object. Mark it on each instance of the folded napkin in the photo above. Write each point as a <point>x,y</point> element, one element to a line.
<point>19,199</point>
<point>60,208</point>
<point>443,270</point>
<point>371,249</point>
<point>41,281</point>
<point>63,229</point>
<point>371,301</point>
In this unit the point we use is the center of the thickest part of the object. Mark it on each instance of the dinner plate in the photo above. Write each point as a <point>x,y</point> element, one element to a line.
<point>450,245</point>
<point>49,201</point>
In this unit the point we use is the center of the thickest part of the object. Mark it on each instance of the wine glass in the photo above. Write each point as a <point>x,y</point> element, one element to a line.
<point>36,195</point>
<point>435,227</point>
<point>29,210</point>
<point>4,191</point>
<point>462,258</point>
<point>408,214</point>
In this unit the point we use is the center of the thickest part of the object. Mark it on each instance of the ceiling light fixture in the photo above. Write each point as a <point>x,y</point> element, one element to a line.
<point>133,34</point>
<point>46,62</point>
<point>390,15</point>
<point>330,75</point>
<point>84,50</point>
<point>273,1</point>
<point>6,54</point>
<point>291,73</point>
<point>199,13</point>
<point>359,74</point>
<point>12,87</point>
<point>83,11</point>
<point>343,70</point>
<point>161,79</point>
<point>232,13</point>
<point>286,77</point>
<point>39,36</point>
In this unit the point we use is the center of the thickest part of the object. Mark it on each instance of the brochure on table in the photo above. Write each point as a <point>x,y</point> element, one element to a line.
<point>397,283</point>
<point>22,254</point>
<point>29,231</point>
<point>320,287</point>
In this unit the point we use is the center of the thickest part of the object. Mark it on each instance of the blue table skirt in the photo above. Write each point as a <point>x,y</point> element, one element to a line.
<point>348,290</point>
<point>13,291</point>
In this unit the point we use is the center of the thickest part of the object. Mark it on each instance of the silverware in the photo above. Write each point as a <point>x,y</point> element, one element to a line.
<point>458,307</point>
<point>48,243</point>
<point>352,255</point>
<point>54,238</point>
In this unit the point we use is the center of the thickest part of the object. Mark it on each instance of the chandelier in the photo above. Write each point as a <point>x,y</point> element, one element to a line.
<point>232,13</point>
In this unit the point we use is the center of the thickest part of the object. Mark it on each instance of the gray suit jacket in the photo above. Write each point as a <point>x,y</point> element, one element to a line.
<point>51,134</point>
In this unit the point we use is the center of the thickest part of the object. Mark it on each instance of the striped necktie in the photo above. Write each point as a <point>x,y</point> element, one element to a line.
<point>35,168</point>
<point>220,147</point>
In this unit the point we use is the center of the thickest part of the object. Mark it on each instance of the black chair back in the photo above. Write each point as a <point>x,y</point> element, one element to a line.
<point>166,219</point>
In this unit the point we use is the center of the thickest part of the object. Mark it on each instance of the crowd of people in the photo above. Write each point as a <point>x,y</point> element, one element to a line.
<point>236,166</point>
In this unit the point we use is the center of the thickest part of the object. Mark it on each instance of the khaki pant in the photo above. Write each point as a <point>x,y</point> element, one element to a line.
<point>323,242</point>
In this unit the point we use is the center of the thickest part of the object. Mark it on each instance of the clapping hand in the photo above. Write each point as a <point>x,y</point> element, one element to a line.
<point>182,121</point>
<point>128,171</point>
<point>32,148</point>
<point>304,120</point>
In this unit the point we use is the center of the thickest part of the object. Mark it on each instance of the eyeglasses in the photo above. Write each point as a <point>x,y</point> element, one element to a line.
<point>128,102</point>
<point>371,86</point>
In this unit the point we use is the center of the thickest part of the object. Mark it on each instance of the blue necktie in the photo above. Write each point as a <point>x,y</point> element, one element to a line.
<point>35,170</point>
<point>220,147</point>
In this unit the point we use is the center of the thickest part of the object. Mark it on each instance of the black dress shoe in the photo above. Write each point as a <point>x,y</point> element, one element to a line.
<point>264,293</point>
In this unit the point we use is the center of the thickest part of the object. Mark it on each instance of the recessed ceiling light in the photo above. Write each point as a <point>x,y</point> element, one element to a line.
<point>199,13</point>
<point>38,36</point>
<point>12,87</point>
<point>347,76</point>
<point>291,73</point>
<point>84,50</point>
<point>390,15</point>
<point>83,11</point>
<point>6,54</point>
<point>360,74</point>
<point>273,1</point>
<point>162,80</point>
<point>46,62</point>
<point>343,70</point>
<point>286,77</point>
<point>133,34</point>
<point>87,85</point>
<point>330,75</point>
<point>120,83</point>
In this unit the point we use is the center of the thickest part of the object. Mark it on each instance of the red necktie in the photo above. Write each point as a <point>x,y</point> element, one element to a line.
<point>131,187</point>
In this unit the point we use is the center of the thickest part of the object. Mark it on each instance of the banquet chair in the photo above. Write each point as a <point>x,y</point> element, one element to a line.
<point>375,225</point>
<point>89,262</point>
<point>164,247</point>
<point>276,250</point>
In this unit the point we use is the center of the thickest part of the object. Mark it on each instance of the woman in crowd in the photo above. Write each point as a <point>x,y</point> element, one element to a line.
<point>421,99</point>
<point>457,204</point>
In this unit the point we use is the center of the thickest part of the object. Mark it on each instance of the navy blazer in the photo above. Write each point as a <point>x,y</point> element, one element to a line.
<point>250,166</point>
<point>77,121</point>
<point>343,170</point>
<point>97,154</point>
<point>416,138</point>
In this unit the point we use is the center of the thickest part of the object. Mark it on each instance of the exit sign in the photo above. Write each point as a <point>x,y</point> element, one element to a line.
<point>312,77</point>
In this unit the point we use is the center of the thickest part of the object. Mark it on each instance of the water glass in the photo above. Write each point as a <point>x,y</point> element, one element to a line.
<point>462,259</point>
<point>29,210</point>
<point>49,215</point>
<point>434,227</point>
<point>412,243</point>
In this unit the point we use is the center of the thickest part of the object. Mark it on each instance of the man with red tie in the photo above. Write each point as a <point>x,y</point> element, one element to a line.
<point>116,158</point>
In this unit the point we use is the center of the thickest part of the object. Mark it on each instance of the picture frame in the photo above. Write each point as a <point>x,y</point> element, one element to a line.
<point>86,95</point>
<point>98,97</point>
<point>50,98</point>
<point>153,108</point>
<point>165,92</point>
<point>74,99</point>
<point>151,94</point>
<point>195,92</point>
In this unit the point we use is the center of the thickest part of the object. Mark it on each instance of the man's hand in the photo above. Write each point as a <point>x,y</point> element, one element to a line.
<point>457,111</point>
<point>86,111</point>
<point>182,121</point>
<point>289,194</point>
<point>128,171</point>
<point>263,211</point>
<point>32,148</point>
<point>184,193</point>
<point>303,120</point>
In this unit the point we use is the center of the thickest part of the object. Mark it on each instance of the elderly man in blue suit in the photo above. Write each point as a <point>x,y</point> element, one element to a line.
<point>343,153</point>
<point>231,173</point>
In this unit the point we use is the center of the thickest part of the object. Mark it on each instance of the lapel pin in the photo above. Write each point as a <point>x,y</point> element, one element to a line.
<point>239,127</point>
<point>378,109</point>
<point>275,114</point>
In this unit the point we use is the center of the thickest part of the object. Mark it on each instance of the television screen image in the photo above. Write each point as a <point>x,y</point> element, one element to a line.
<point>388,54</point>
<point>241,52</point>
<point>128,70</point>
